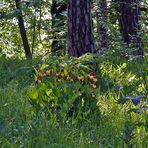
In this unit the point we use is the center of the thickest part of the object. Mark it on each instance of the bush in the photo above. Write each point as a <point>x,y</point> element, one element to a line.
<point>66,86</point>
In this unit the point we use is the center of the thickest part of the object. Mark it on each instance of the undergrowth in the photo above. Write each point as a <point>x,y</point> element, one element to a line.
<point>35,102</point>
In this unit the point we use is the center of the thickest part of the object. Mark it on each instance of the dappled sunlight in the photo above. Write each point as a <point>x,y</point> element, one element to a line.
<point>73,74</point>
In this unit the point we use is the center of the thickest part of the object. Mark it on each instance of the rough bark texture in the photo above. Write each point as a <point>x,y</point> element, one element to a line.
<point>80,29</point>
<point>102,22</point>
<point>56,9</point>
<point>23,31</point>
<point>129,17</point>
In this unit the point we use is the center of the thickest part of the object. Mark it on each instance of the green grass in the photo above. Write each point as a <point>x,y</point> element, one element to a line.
<point>114,127</point>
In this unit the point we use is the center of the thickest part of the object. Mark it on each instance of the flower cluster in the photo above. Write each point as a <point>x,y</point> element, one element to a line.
<point>90,78</point>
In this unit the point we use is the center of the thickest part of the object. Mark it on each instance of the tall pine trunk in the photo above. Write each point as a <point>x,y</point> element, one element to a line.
<point>80,29</point>
<point>23,31</point>
<point>129,21</point>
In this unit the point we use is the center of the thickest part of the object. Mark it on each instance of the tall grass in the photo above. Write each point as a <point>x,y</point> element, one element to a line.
<point>115,127</point>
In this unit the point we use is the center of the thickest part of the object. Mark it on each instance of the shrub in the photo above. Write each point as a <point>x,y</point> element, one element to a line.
<point>66,86</point>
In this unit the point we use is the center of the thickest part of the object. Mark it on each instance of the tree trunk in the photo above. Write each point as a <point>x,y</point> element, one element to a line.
<point>129,21</point>
<point>23,31</point>
<point>80,29</point>
<point>102,22</point>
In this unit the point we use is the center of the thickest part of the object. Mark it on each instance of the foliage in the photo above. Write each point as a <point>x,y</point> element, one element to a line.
<point>128,75</point>
<point>96,100</point>
<point>116,126</point>
<point>38,23</point>
<point>63,85</point>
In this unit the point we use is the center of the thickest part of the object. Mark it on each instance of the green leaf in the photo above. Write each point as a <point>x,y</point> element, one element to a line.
<point>43,66</point>
<point>48,92</point>
<point>33,93</point>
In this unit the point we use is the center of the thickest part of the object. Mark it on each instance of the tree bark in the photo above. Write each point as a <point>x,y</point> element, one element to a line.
<point>23,31</point>
<point>129,21</point>
<point>80,29</point>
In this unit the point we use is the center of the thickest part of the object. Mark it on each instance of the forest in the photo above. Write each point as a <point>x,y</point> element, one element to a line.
<point>73,73</point>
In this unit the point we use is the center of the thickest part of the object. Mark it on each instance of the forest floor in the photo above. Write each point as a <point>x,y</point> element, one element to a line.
<point>117,125</point>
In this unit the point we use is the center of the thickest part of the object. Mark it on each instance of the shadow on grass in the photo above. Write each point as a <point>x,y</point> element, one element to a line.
<point>18,70</point>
